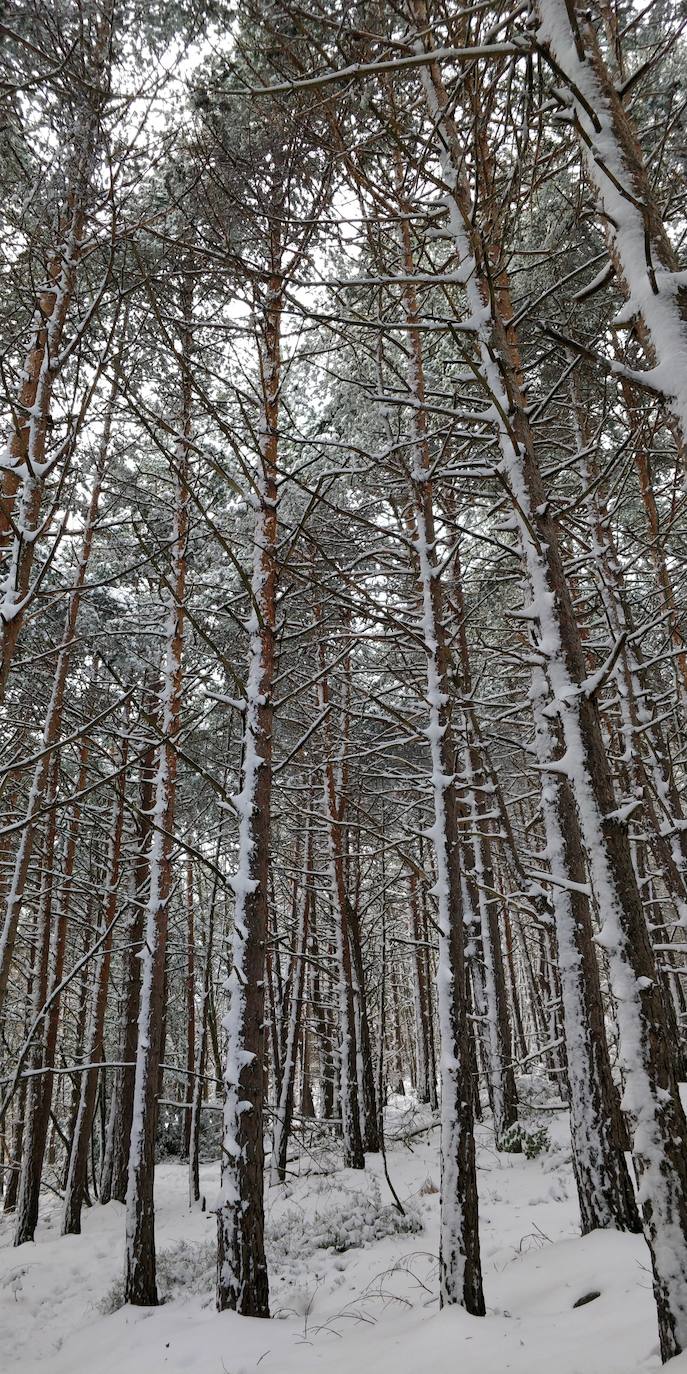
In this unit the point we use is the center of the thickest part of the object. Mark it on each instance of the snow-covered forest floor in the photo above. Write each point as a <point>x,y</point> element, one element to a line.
<point>353,1284</point>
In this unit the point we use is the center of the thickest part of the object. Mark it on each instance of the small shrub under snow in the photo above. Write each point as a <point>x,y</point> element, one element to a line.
<point>344,1219</point>
<point>530,1140</point>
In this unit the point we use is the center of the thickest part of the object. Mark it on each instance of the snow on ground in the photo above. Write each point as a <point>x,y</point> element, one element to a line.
<point>353,1285</point>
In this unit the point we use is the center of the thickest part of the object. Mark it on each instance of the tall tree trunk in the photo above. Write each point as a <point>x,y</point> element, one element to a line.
<point>334,802</point>
<point>140,1284</point>
<point>78,1161</point>
<point>190,1011</point>
<point>460,1273</point>
<point>41,1089</point>
<point>459,1260</point>
<point>200,1061</point>
<point>370,1132</point>
<point>242,1282</point>
<point>125,1082</point>
<point>423,1083</point>
<point>284,1110</point>
<point>324,1039</point>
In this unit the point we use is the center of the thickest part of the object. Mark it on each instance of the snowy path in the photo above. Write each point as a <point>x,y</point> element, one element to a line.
<point>369,1308</point>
